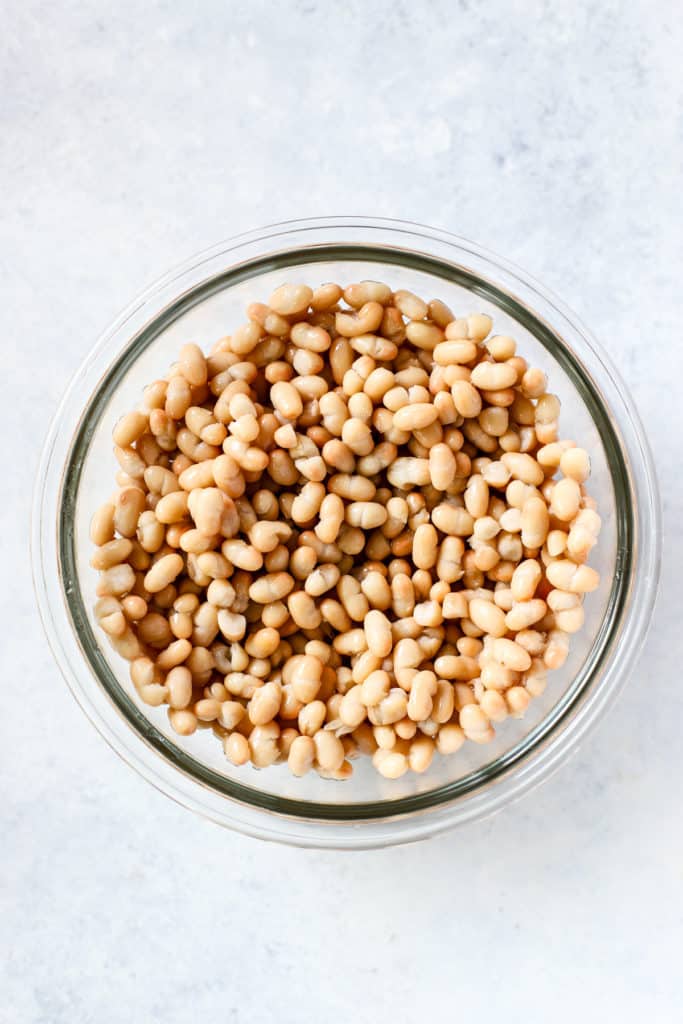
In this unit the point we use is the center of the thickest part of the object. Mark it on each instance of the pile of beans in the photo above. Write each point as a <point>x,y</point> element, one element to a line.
<point>351,528</point>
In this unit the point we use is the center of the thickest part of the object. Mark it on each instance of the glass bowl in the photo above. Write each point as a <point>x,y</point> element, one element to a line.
<point>200,301</point>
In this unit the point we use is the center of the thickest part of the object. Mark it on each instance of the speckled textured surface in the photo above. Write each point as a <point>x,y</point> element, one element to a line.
<point>132,136</point>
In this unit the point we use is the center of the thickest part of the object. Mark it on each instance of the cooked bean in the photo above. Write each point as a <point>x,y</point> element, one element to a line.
<point>523,467</point>
<point>263,744</point>
<point>175,654</point>
<point>406,473</point>
<point>207,507</point>
<point>390,709</point>
<point>476,496</point>
<point>114,624</point>
<point>517,699</point>
<point>378,633</point>
<point>493,376</point>
<point>306,677</point>
<point>128,507</point>
<point>494,705</point>
<point>286,399</point>
<point>582,537</point>
<point>415,416</point>
<point>172,508</point>
<point>242,555</point>
<point>460,351</point>
<point>183,721</point>
<point>466,398</point>
<point>271,587</point>
<point>301,755</point>
<point>352,710</point>
<point>178,397</point>
<point>410,305</point>
<point>263,643</point>
<point>453,520</point>
<point>111,553</point>
<point>311,717</point>
<point>179,686</point>
<point>237,749</point>
<point>117,580</point>
<point>525,614</point>
<point>130,462</point>
<point>577,579</point>
<point>291,299</point>
<point>421,754</point>
<point>424,335</point>
<point>374,688</point>
<point>404,730</point>
<point>365,514</point>
<point>102,524</point>
<point>534,522</point>
<point>134,607</point>
<point>575,463</point>
<point>488,617</point>
<point>449,739</point>
<point>192,365</point>
<point>365,320</point>
<point>265,704</point>
<point>303,610</point>
<point>329,751</point>
<point>232,625</point>
<point>525,578</point>
<point>130,428</point>
<point>510,655</point>
<point>367,291</point>
<point>439,312</point>
<point>422,690</point>
<point>163,572</point>
<point>425,546</point>
<point>473,720</point>
<point>390,763</point>
<point>566,499</point>
<point>442,466</point>
<point>322,579</point>
<point>272,322</point>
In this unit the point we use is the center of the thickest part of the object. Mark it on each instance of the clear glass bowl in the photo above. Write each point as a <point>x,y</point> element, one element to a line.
<point>200,301</point>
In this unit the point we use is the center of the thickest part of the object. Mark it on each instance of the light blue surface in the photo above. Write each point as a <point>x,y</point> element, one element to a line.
<point>133,136</point>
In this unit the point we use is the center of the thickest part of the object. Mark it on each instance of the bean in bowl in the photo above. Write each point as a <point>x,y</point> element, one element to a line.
<point>350,529</point>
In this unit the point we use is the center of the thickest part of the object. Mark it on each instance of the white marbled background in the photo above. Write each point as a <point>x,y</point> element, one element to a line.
<point>134,134</point>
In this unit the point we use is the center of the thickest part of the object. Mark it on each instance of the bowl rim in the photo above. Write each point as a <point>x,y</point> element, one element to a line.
<point>403,819</point>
